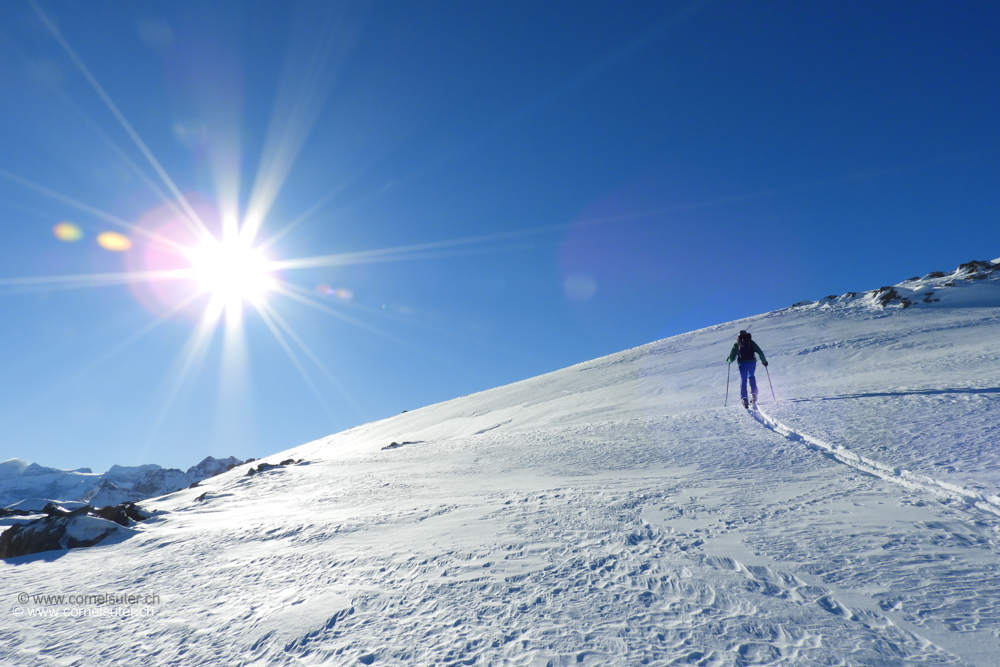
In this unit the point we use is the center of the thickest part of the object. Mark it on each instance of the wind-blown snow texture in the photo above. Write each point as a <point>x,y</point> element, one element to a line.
<point>611,513</point>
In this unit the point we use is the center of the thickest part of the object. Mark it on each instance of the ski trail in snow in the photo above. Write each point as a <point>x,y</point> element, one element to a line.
<point>896,475</point>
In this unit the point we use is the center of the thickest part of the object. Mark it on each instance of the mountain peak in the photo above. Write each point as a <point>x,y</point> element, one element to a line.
<point>13,465</point>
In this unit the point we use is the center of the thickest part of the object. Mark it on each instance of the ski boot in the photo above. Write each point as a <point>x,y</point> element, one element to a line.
<point>754,400</point>
<point>745,404</point>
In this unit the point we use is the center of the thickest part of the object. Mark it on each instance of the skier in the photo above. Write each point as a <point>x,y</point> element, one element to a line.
<point>744,349</point>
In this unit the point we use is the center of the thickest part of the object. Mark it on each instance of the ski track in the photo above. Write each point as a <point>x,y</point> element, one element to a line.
<point>923,575</point>
<point>895,474</point>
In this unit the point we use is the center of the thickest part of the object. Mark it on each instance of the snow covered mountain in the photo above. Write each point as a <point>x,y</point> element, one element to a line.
<point>610,513</point>
<point>31,486</point>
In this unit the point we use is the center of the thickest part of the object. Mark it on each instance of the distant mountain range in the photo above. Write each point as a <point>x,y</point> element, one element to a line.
<point>30,486</point>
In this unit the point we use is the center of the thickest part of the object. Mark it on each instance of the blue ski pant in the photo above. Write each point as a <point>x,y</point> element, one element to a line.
<point>747,369</point>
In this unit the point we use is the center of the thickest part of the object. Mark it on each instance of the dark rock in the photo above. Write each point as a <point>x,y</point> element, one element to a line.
<point>56,510</point>
<point>116,514</point>
<point>394,445</point>
<point>15,512</point>
<point>887,295</point>
<point>62,529</point>
<point>977,265</point>
<point>910,280</point>
<point>261,468</point>
<point>264,467</point>
<point>50,534</point>
<point>194,485</point>
<point>32,537</point>
<point>934,274</point>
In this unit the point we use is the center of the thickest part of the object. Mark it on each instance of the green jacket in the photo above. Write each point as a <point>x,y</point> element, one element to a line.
<point>736,350</point>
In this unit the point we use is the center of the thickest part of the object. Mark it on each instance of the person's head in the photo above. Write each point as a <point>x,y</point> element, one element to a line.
<point>744,335</point>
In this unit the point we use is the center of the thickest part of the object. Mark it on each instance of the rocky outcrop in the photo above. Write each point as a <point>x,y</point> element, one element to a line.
<point>67,529</point>
<point>888,295</point>
<point>4,512</point>
<point>264,467</point>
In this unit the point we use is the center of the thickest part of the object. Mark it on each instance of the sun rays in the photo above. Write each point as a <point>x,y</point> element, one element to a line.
<point>200,257</point>
<point>215,262</point>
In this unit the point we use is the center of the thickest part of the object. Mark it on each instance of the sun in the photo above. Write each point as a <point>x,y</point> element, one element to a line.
<point>231,271</point>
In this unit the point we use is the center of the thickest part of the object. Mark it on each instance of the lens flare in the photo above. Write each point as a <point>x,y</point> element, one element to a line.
<point>580,287</point>
<point>341,292</point>
<point>113,241</point>
<point>68,232</point>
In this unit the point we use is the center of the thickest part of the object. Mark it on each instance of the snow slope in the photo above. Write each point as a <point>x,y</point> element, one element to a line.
<point>611,513</point>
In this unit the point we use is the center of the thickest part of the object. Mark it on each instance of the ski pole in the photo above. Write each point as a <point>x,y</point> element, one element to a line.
<point>768,384</point>
<point>728,366</point>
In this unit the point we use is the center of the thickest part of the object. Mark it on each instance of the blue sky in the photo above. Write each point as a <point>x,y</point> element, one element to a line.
<point>617,173</point>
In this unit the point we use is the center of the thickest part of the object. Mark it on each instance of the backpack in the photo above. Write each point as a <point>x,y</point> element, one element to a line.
<point>746,352</point>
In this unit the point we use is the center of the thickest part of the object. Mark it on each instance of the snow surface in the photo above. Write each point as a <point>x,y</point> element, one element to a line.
<point>611,513</point>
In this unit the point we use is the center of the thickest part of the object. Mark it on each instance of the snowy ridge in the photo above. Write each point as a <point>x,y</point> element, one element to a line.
<point>973,284</point>
<point>894,474</point>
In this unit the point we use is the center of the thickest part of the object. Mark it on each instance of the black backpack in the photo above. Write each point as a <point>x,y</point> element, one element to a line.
<point>746,352</point>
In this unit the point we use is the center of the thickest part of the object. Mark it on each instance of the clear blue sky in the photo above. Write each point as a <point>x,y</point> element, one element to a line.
<point>672,165</point>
